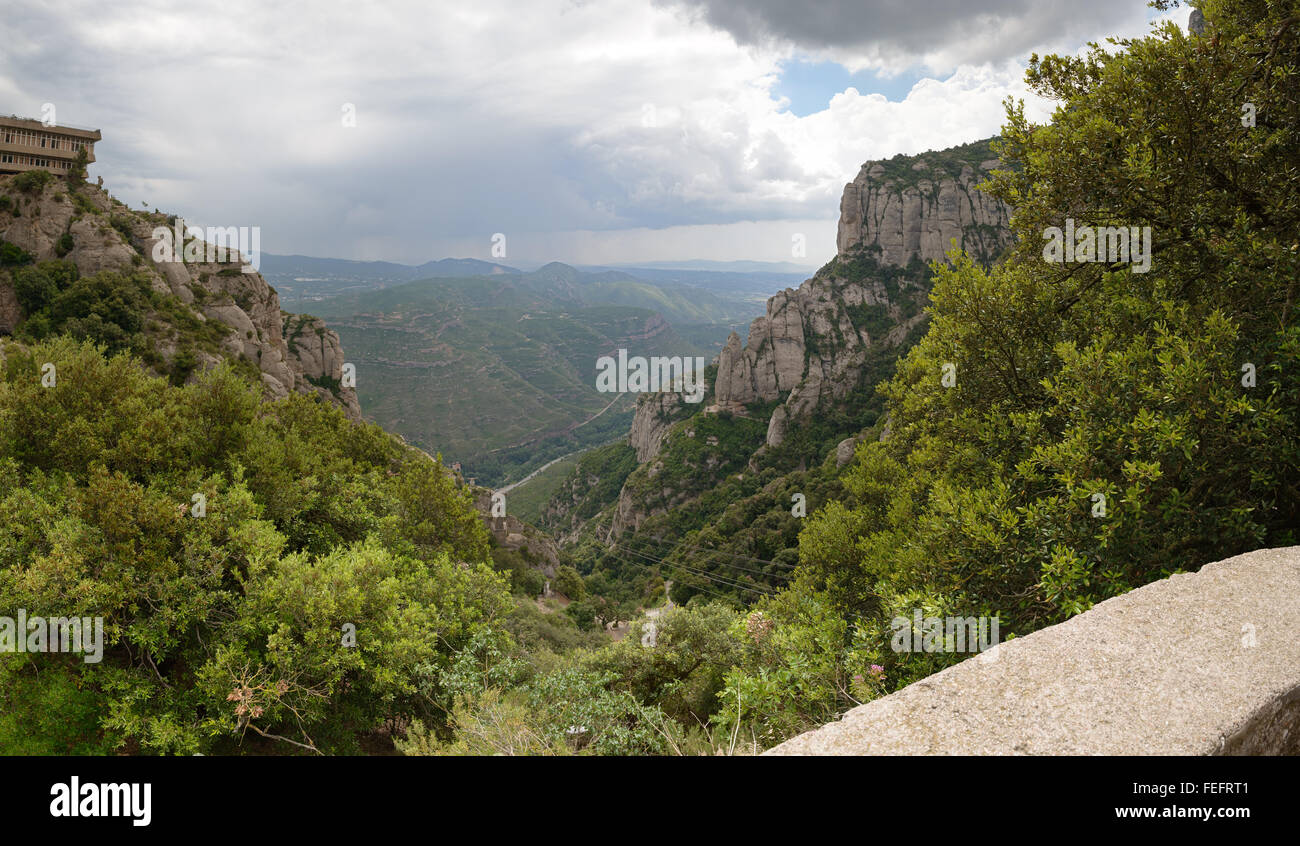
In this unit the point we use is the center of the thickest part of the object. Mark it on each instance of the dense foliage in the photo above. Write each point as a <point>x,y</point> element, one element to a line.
<point>273,576</point>
<point>231,547</point>
<point>1106,427</point>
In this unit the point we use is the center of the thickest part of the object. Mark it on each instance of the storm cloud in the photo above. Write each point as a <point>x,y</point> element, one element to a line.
<point>583,131</point>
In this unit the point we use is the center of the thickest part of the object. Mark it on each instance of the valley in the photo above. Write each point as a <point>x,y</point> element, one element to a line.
<point>498,372</point>
<point>460,508</point>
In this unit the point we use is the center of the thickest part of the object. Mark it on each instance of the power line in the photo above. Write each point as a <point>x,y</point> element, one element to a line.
<point>723,552</point>
<point>727,563</point>
<point>712,577</point>
<point>714,580</point>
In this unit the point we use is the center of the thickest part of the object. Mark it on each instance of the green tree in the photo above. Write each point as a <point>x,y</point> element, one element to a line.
<point>1106,426</point>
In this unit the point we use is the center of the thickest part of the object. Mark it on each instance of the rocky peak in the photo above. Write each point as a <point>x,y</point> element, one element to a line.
<point>916,206</point>
<point>96,232</point>
<point>810,345</point>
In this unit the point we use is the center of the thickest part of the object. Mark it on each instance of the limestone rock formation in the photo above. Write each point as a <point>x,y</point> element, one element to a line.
<point>1112,680</point>
<point>807,348</point>
<point>655,415</point>
<point>315,348</point>
<point>920,211</point>
<point>106,235</point>
<point>844,451</point>
<point>810,345</point>
<point>512,533</point>
<point>777,426</point>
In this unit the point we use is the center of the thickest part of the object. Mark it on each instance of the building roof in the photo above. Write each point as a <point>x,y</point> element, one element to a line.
<point>62,128</point>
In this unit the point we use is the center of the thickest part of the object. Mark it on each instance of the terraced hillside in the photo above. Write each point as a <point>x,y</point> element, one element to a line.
<point>498,372</point>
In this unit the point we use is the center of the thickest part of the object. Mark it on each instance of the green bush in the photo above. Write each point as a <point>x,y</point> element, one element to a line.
<point>12,255</point>
<point>233,624</point>
<point>122,224</point>
<point>568,582</point>
<point>32,181</point>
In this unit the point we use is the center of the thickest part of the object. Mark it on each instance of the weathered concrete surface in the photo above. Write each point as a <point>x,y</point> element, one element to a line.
<point>1163,670</point>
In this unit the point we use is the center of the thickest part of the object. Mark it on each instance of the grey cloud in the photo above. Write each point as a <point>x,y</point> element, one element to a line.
<point>904,31</point>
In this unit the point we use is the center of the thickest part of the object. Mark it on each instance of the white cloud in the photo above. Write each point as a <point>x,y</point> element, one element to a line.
<point>552,121</point>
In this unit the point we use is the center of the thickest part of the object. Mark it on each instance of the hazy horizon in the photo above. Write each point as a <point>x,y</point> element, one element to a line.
<point>637,131</point>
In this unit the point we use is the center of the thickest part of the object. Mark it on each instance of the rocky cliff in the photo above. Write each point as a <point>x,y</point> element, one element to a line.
<point>895,216</point>
<point>917,206</point>
<point>810,345</point>
<point>655,415</point>
<point>821,346</point>
<point>96,232</point>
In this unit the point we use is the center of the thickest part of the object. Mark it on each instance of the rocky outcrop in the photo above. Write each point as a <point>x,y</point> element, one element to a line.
<point>917,207</point>
<point>318,355</point>
<point>655,415</point>
<point>1202,663</point>
<point>512,533</point>
<point>810,346</point>
<point>106,235</point>
<point>844,451</point>
<point>776,427</point>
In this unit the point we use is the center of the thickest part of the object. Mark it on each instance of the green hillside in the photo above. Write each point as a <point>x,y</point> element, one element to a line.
<point>491,371</point>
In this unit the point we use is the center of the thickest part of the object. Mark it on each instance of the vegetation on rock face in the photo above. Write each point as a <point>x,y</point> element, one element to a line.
<point>942,164</point>
<point>1086,384</point>
<point>119,311</point>
<point>32,181</point>
<point>233,546</point>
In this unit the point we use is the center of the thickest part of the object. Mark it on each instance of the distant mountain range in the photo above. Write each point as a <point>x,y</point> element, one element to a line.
<point>780,267</point>
<point>494,365</point>
<point>302,279</point>
<point>497,370</point>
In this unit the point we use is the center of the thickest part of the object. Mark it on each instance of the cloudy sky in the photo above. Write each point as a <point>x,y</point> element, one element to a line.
<point>588,132</point>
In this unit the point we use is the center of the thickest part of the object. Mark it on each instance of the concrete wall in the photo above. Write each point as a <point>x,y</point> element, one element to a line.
<point>1204,663</point>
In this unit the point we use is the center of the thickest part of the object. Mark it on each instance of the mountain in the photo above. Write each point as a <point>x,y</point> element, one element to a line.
<point>736,267</point>
<point>918,205</point>
<point>309,279</point>
<point>181,317</point>
<point>499,372</point>
<point>745,281</point>
<point>679,304</point>
<point>681,297</point>
<point>786,405</point>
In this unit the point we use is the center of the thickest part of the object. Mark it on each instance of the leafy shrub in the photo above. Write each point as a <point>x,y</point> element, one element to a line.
<point>32,181</point>
<point>122,224</point>
<point>231,625</point>
<point>12,255</point>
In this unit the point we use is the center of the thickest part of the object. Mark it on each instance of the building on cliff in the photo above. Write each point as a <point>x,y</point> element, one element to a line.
<point>28,144</point>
